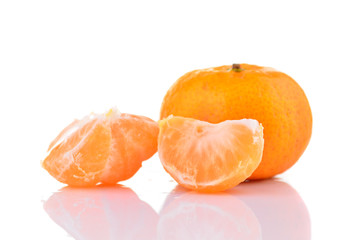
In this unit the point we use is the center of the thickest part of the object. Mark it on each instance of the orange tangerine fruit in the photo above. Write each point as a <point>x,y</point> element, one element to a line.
<point>248,91</point>
<point>105,148</point>
<point>209,157</point>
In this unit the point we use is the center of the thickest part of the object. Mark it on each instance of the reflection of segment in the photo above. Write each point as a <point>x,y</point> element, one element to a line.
<point>280,210</point>
<point>199,216</point>
<point>102,213</point>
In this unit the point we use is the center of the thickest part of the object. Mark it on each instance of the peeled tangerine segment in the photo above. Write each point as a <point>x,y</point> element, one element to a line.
<point>105,148</point>
<point>210,157</point>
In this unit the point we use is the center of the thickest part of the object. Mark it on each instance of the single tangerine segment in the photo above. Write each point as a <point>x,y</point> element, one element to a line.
<point>105,148</point>
<point>210,157</point>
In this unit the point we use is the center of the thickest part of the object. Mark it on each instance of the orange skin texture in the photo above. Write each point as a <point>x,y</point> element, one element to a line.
<point>269,96</point>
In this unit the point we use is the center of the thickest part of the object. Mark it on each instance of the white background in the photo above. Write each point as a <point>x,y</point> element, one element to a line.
<point>61,60</point>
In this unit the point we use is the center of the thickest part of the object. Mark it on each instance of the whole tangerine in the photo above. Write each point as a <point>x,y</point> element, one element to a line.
<point>248,91</point>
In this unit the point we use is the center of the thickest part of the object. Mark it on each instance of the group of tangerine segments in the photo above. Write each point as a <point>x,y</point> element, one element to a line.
<point>110,147</point>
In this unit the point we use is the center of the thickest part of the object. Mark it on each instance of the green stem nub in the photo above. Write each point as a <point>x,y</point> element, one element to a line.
<point>236,67</point>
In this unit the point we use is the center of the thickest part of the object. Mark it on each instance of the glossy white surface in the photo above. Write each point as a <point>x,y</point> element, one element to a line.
<point>259,210</point>
<point>60,60</point>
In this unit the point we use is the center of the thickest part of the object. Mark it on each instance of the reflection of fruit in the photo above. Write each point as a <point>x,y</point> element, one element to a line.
<point>280,210</point>
<point>248,91</point>
<point>209,157</point>
<point>211,217</point>
<point>101,148</point>
<point>102,213</point>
